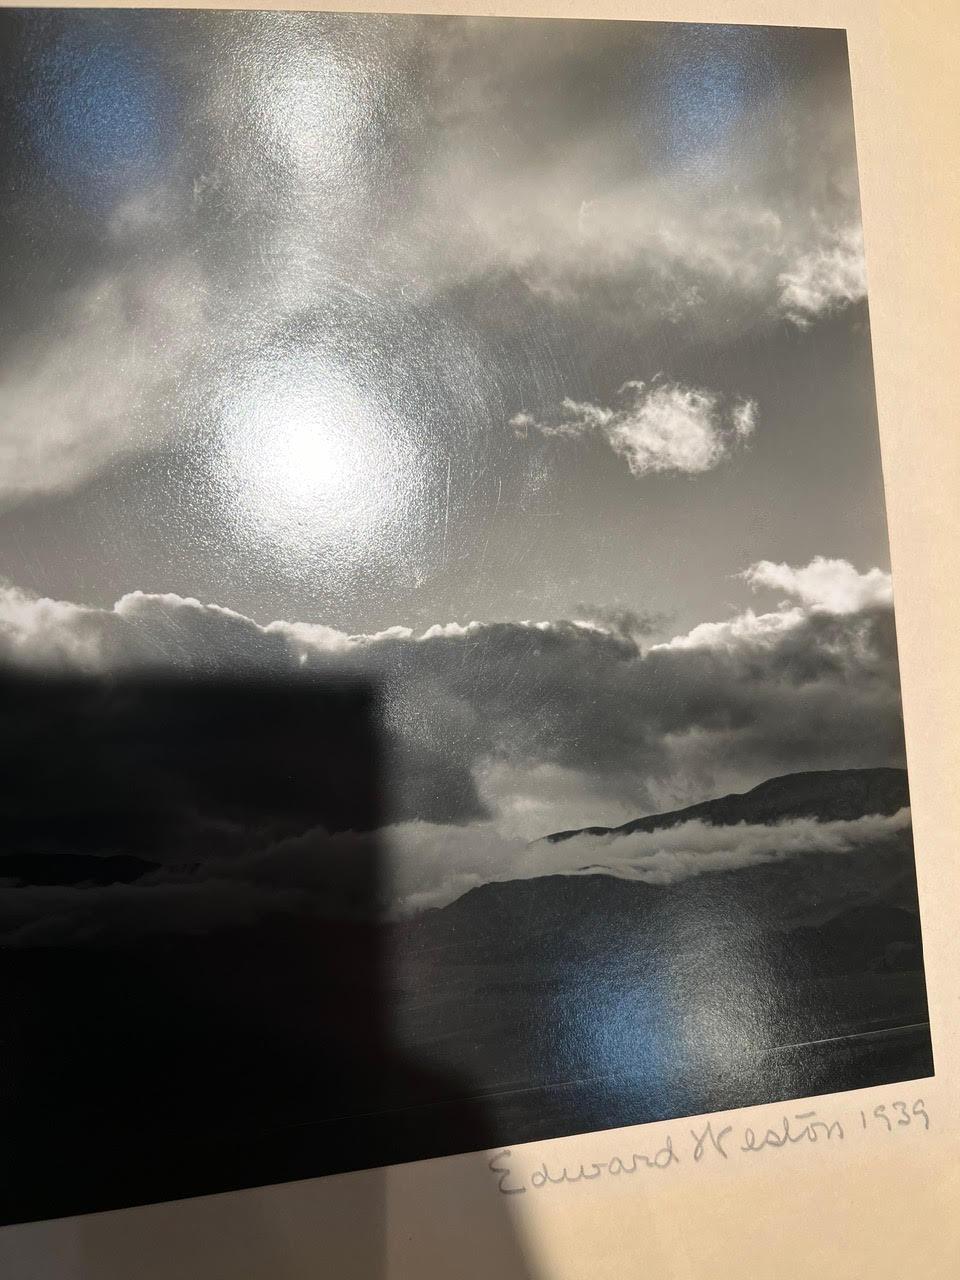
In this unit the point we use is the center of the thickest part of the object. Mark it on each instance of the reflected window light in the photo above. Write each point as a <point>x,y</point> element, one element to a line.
<point>314,465</point>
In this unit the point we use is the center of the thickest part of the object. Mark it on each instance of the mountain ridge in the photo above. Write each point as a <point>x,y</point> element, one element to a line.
<point>829,795</point>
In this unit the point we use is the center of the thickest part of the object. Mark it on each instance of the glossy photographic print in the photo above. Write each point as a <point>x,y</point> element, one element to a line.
<point>448,676</point>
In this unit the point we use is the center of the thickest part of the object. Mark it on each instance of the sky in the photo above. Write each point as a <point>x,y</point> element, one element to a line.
<point>282,290</point>
<point>522,364</point>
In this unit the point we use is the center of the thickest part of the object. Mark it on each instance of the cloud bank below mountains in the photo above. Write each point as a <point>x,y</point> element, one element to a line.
<point>416,866</point>
<point>432,866</point>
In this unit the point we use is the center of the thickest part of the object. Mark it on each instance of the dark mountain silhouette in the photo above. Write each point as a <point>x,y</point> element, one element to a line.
<point>74,868</point>
<point>801,975</point>
<point>291,1046</point>
<point>829,795</point>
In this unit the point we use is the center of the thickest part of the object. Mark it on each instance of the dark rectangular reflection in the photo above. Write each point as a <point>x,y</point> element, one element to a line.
<point>203,988</point>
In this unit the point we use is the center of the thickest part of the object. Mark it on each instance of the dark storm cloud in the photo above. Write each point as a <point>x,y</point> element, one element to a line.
<point>593,704</point>
<point>808,685</point>
<point>228,769</point>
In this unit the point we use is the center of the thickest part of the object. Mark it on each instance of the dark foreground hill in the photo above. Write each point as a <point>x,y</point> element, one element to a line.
<point>569,974</point>
<point>524,1010</point>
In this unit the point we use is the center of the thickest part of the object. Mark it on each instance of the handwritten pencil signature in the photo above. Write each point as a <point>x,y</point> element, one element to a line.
<point>706,1141</point>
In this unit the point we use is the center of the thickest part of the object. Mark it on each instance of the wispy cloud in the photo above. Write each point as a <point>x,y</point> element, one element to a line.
<point>825,278</point>
<point>743,416</point>
<point>387,153</point>
<point>86,392</point>
<point>658,426</point>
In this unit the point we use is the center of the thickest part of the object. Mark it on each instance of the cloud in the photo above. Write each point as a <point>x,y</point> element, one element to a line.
<point>822,587</point>
<point>833,585</point>
<point>659,427</point>
<point>825,278</point>
<point>744,418</point>
<point>432,866</point>
<point>747,629</point>
<point>618,619</point>
<point>416,866</point>
<point>383,168</point>
<point>702,227</point>
<point>491,734</point>
<point>474,717</point>
<point>87,389</point>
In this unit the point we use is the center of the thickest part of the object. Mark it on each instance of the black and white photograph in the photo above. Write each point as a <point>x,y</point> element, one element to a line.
<point>449,693</point>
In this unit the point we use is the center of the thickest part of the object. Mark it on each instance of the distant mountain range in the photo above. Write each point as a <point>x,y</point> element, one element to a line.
<point>525,1009</point>
<point>562,975</point>
<point>828,795</point>
<point>804,890</point>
